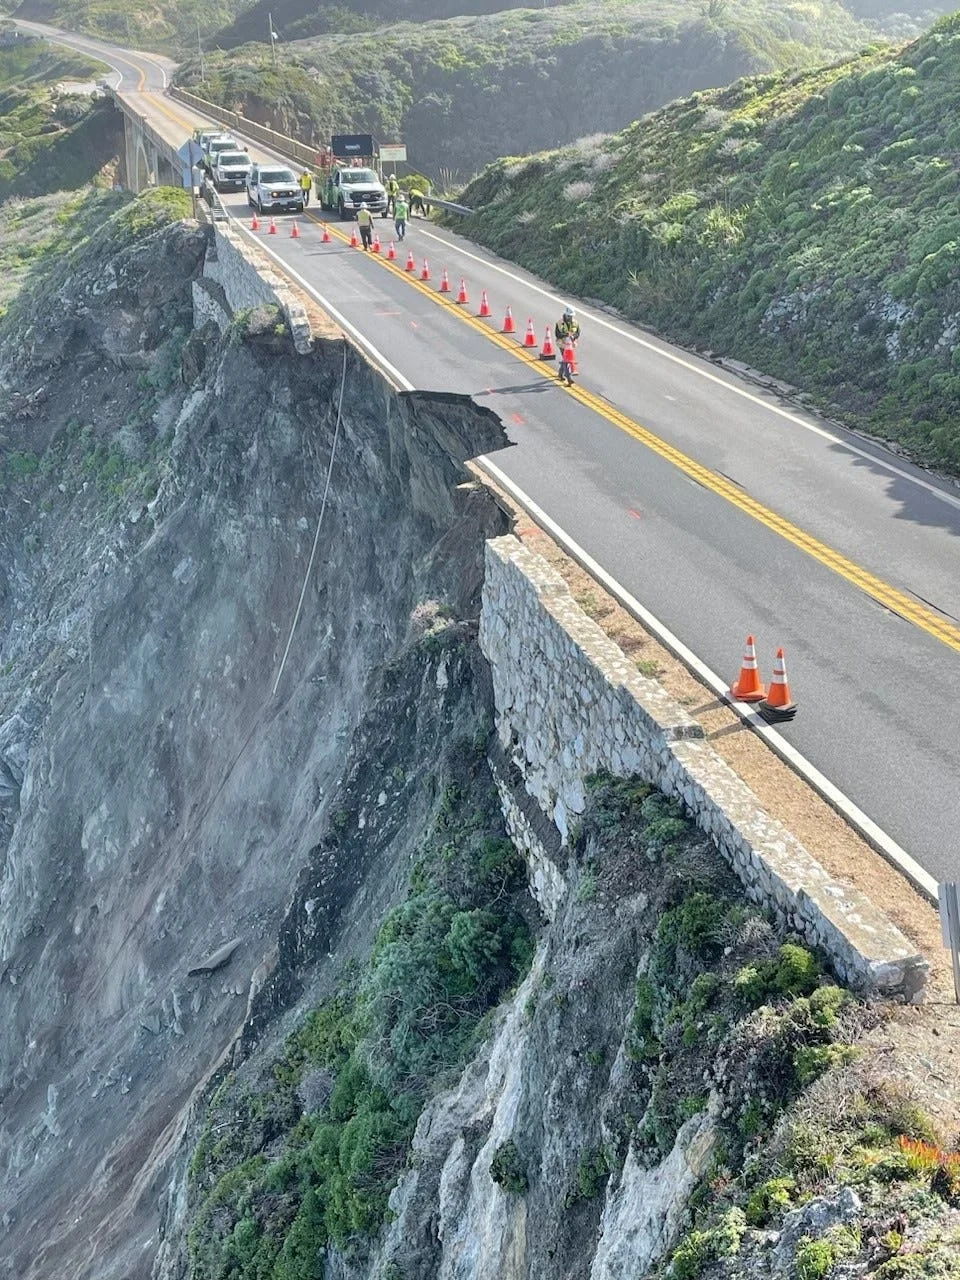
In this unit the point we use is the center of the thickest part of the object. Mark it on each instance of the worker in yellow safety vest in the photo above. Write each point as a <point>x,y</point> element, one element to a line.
<point>306,183</point>
<point>365,223</point>
<point>393,190</point>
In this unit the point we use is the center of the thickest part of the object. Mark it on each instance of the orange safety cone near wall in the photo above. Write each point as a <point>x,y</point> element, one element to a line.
<point>530,337</point>
<point>778,706</point>
<point>425,271</point>
<point>509,324</point>
<point>254,223</point>
<point>294,230</point>
<point>548,351</point>
<point>444,282</point>
<point>748,686</point>
<point>272,229</point>
<point>325,238</point>
<point>462,292</point>
<point>376,242</point>
<point>354,239</point>
<point>484,305</point>
<point>411,264</point>
<point>391,252</point>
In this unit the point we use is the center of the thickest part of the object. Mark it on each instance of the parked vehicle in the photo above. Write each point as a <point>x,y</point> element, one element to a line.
<point>214,145</point>
<point>346,188</point>
<point>272,187</point>
<point>231,169</point>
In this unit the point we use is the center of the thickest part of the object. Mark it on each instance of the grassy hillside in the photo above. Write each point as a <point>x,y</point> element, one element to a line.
<point>808,224</point>
<point>461,92</point>
<point>297,19</point>
<point>164,25</point>
<point>50,141</point>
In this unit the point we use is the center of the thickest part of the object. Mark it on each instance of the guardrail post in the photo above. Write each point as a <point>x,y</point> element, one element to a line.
<point>950,928</point>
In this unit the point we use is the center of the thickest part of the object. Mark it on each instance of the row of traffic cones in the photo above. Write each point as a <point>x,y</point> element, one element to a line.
<point>548,350</point>
<point>776,705</point>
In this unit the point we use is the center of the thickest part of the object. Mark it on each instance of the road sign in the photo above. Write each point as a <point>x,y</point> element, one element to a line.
<point>950,928</point>
<point>393,153</point>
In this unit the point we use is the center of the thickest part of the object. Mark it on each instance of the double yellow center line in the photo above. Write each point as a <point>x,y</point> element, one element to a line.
<point>898,602</point>
<point>890,597</point>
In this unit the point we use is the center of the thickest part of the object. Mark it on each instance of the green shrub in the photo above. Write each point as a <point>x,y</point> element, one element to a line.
<point>814,1259</point>
<point>769,1200</point>
<point>507,1168</point>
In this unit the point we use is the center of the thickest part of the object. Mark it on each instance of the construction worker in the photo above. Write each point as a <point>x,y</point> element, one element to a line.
<point>400,216</point>
<point>567,332</point>
<point>417,201</point>
<point>393,190</point>
<point>365,223</point>
<point>306,183</point>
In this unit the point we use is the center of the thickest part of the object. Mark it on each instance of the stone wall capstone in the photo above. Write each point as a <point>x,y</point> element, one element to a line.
<point>249,279</point>
<point>570,703</point>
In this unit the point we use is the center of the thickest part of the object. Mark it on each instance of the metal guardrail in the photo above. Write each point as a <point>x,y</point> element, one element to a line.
<point>298,151</point>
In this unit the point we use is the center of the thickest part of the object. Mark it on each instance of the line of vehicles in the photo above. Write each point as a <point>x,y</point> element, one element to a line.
<point>343,183</point>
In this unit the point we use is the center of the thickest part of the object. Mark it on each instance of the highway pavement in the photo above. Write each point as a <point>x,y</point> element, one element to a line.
<point>721,508</point>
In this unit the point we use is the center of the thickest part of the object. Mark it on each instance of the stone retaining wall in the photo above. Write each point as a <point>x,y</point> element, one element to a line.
<point>570,703</point>
<point>248,278</point>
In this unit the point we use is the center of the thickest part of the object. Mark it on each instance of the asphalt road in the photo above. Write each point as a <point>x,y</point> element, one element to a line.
<point>722,509</point>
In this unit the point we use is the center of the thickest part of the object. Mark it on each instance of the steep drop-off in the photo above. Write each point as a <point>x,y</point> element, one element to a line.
<point>806,224</point>
<point>161,489</point>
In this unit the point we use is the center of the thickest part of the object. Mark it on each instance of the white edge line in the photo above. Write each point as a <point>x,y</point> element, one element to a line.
<point>395,376</point>
<point>944,495</point>
<point>874,835</point>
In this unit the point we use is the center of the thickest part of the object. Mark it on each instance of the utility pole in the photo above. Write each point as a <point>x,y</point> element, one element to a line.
<point>273,38</point>
<point>203,70</point>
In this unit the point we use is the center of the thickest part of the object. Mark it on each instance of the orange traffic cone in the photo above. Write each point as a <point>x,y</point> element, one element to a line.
<point>411,265</point>
<point>376,242</point>
<point>484,304</point>
<point>254,223</point>
<point>294,230</point>
<point>530,337</point>
<point>272,229</point>
<point>325,238</point>
<point>425,271</point>
<point>391,252</point>
<point>748,686</point>
<point>509,325</point>
<point>354,239</point>
<point>778,706</point>
<point>568,363</point>
<point>444,282</point>
<point>462,292</point>
<point>548,351</point>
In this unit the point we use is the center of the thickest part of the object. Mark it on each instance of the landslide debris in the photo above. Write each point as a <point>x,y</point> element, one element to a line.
<point>805,224</point>
<point>462,91</point>
<point>160,493</point>
<point>673,1087</point>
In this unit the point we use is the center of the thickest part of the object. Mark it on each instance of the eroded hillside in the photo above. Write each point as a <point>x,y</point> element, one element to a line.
<point>161,491</point>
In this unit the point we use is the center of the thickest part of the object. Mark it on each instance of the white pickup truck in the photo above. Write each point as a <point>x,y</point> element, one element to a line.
<point>231,169</point>
<point>347,188</point>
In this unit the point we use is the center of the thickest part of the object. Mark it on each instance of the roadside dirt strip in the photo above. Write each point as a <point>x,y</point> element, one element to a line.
<point>782,792</point>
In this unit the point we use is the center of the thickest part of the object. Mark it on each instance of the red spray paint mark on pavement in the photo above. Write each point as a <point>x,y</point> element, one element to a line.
<point>517,418</point>
<point>637,515</point>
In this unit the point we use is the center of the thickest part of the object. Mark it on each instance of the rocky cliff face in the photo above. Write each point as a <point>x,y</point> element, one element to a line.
<point>157,797</point>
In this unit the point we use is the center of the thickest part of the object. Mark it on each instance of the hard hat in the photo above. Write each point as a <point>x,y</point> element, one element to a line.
<point>569,311</point>
<point>363,204</point>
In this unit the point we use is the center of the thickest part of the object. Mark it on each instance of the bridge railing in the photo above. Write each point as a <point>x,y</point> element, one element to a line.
<point>270,138</point>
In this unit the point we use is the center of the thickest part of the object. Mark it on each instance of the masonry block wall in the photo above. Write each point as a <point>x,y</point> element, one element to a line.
<point>570,703</point>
